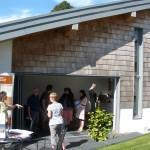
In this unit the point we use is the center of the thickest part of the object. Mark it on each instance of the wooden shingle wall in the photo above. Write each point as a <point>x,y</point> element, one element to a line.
<point>103,48</point>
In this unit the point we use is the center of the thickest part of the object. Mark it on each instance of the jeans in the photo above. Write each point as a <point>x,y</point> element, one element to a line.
<point>55,133</point>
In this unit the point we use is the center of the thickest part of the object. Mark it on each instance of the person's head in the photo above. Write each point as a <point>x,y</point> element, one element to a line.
<point>3,95</point>
<point>67,90</point>
<point>53,97</point>
<point>93,85</point>
<point>82,94</point>
<point>36,91</point>
<point>49,87</point>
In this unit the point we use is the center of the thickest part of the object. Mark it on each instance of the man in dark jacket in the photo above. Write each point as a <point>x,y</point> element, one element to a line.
<point>93,97</point>
<point>33,104</point>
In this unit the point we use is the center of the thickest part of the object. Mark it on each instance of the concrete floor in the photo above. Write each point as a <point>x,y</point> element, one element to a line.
<point>81,141</point>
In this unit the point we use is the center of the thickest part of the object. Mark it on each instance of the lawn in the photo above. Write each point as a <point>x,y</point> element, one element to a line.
<point>140,143</point>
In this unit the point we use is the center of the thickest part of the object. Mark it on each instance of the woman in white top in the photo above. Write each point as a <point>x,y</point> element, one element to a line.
<point>55,112</point>
<point>81,110</point>
<point>5,108</point>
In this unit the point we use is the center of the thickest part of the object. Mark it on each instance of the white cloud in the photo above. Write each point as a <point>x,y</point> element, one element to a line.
<point>21,14</point>
<point>78,3</point>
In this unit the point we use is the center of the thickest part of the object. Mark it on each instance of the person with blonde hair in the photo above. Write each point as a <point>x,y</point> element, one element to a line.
<point>4,107</point>
<point>3,98</point>
<point>55,113</point>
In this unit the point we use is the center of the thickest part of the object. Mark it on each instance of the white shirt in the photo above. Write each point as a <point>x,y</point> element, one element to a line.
<point>56,109</point>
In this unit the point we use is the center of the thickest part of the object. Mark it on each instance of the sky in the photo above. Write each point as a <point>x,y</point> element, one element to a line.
<point>17,9</point>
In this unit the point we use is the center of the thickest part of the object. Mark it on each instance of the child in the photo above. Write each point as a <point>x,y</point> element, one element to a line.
<point>55,112</point>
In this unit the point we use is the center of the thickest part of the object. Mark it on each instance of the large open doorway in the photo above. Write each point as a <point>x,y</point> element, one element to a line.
<point>106,86</point>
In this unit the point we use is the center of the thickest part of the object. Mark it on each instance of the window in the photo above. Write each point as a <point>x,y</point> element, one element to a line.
<point>138,71</point>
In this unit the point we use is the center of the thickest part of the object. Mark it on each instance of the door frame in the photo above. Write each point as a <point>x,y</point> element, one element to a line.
<point>116,101</point>
<point>116,107</point>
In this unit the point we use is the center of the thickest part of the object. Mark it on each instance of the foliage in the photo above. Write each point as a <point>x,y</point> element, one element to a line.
<point>62,6</point>
<point>99,124</point>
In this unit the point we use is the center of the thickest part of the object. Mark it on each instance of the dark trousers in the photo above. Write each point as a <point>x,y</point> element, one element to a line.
<point>35,121</point>
<point>92,106</point>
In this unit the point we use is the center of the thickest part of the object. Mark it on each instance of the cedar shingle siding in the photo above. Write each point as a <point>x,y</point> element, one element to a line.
<point>103,47</point>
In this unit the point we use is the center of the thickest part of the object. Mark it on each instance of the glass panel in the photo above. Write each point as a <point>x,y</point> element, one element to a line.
<point>137,109</point>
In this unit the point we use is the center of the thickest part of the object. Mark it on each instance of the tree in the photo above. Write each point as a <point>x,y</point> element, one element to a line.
<point>62,6</point>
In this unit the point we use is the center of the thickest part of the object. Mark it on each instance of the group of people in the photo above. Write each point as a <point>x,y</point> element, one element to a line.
<point>49,111</point>
<point>57,112</point>
<point>37,106</point>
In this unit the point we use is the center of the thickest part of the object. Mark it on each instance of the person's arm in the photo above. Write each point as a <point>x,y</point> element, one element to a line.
<point>49,114</point>
<point>12,107</point>
<point>83,102</point>
<point>61,112</point>
<point>93,86</point>
<point>43,104</point>
<point>29,108</point>
<point>29,113</point>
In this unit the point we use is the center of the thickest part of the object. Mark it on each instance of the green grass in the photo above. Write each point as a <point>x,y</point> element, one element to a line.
<point>140,143</point>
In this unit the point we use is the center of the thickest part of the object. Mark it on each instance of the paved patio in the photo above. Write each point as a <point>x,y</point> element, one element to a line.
<point>81,141</point>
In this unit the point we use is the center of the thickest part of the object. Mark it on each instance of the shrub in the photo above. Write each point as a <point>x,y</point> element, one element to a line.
<point>99,124</point>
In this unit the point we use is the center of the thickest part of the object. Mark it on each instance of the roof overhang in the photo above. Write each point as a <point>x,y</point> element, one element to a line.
<point>40,23</point>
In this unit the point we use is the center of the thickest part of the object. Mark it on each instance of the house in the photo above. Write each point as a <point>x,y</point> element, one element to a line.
<point>108,44</point>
